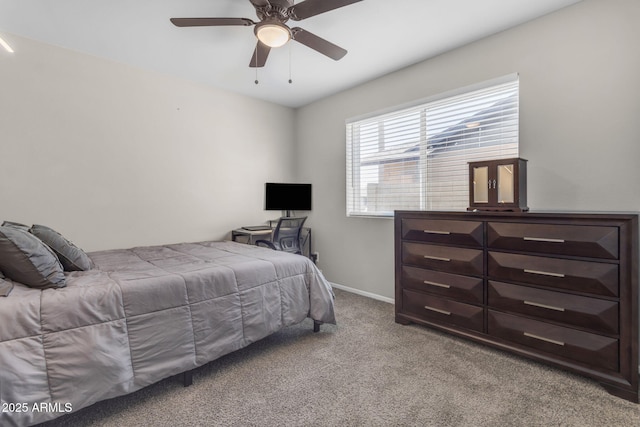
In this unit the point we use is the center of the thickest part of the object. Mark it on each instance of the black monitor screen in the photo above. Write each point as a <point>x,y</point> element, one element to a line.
<point>287,197</point>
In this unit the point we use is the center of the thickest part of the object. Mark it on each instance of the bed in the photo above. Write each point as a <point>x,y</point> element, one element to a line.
<point>144,314</point>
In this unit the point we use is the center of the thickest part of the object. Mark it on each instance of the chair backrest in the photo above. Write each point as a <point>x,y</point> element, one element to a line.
<point>287,234</point>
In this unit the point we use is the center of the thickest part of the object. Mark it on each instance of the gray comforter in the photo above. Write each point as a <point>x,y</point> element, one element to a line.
<point>142,315</point>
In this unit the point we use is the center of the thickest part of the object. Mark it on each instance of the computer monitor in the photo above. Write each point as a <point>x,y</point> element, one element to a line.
<point>287,197</point>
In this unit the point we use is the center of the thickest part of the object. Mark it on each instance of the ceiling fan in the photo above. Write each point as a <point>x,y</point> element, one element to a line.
<point>271,30</point>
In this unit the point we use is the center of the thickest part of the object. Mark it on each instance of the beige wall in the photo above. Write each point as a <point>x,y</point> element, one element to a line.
<point>579,109</point>
<point>113,156</point>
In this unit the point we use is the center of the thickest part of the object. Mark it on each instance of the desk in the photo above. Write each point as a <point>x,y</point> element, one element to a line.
<point>243,235</point>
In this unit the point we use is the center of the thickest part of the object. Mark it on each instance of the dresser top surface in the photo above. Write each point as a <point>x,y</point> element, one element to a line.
<point>480,215</point>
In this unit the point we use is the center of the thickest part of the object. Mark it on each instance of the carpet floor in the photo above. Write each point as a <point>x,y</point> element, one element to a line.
<point>366,371</point>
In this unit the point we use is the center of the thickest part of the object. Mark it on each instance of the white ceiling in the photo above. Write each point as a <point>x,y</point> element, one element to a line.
<point>381,36</point>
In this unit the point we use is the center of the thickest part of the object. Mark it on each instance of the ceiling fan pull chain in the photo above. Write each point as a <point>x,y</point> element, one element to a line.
<point>256,67</point>
<point>290,81</point>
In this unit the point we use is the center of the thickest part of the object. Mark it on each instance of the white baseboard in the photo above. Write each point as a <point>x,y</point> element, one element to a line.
<point>363,293</point>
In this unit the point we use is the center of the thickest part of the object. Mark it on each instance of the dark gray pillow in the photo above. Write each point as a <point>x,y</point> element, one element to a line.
<point>25,259</point>
<point>72,257</point>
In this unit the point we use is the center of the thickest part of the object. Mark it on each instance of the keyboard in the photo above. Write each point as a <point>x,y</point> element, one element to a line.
<point>256,227</point>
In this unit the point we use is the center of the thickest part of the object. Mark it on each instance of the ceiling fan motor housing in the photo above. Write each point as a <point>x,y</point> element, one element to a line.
<point>277,9</point>
<point>285,4</point>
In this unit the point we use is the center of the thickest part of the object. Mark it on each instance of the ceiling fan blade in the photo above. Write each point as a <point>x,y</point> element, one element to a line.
<point>209,22</point>
<point>310,8</point>
<point>318,43</point>
<point>260,55</point>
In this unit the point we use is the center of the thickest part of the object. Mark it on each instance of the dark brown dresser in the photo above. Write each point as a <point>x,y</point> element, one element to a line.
<point>559,288</point>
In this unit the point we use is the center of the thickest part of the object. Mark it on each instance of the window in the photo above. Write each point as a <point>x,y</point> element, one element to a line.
<point>416,157</point>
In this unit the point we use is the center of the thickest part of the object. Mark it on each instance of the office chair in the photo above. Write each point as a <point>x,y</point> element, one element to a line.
<point>286,235</point>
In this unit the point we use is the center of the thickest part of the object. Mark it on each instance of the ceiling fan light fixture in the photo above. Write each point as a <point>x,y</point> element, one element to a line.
<point>273,34</point>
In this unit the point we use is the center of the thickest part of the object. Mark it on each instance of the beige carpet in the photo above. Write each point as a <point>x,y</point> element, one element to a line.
<point>367,371</point>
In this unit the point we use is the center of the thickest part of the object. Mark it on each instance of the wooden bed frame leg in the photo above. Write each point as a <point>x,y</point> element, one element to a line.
<point>187,378</point>
<point>316,326</point>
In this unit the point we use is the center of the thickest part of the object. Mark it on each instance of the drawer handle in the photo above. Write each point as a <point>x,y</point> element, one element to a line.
<point>437,310</point>
<point>440,285</point>
<point>437,258</point>
<point>544,273</point>
<point>543,239</point>
<point>538,337</point>
<point>537,304</point>
<point>436,232</point>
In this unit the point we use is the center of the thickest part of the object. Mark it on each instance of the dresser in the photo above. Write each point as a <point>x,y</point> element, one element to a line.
<point>559,288</point>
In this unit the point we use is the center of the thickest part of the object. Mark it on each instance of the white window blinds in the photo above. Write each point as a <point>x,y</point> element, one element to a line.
<point>417,157</point>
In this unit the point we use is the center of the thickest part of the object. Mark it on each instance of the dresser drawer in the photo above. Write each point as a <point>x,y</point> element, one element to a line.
<point>432,308</point>
<point>443,258</point>
<point>572,240</point>
<point>594,350</point>
<point>591,277</point>
<point>454,286</point>
<point>465,233</point>
<point>590,313</point>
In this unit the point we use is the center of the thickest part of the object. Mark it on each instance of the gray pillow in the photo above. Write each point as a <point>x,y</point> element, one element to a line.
<point>15,225</point>
<point>5,286</point>
<point>25,259</point>
<point>72,257</point>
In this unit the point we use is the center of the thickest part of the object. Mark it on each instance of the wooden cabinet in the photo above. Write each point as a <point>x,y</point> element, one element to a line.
<point>498,185</point>
<point>560,288</point>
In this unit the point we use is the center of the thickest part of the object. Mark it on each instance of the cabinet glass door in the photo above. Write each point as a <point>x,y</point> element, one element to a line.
<point>506,187</point>
<point>481,184</point>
